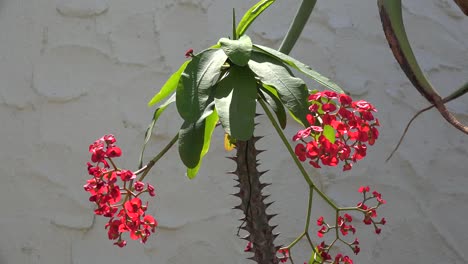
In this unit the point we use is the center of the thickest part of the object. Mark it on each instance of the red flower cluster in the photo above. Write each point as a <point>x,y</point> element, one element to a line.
<point>106,193</point>
<point>339,130</point>
<point>343,225</point>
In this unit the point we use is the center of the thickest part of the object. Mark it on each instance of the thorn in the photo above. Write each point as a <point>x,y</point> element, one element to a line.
<point>232,172</point>
<point>239,207</point>
<point>259,151</point>
<point>273,227</point>
<point>263,185</point>
<point>257,138</point>
<point>276,235</point>
<point>268,204</point>
<point>236,194</point>
<point>265,196</point>
<point>242,219</point>
<point>258,114</point>
<point>278,247</point>
<point>237,186</point>
<point>232,158</point>
<point>260,173</point>
<point>269,217</point>
<point>246,238</point>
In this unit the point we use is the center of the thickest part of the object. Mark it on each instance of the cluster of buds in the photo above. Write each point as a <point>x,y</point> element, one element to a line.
<point>338,131</point>
<point>343,224</point>
<point>127,214</point>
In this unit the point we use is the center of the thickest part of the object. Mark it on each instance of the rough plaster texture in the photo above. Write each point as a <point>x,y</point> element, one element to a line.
<point>73,70</point>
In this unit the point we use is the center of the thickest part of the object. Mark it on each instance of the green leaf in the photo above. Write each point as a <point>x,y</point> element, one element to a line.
<point>271,96</point>
<point>315,258</point>
<point>251,15</point>
<point>170,86</point>
<point>301,67</point>
<point>149,130</point>
<point>292,91</point>
<point>239,50</point>
<point>210,125</point>
<point>329,133</point>
<point>196,83</point>
<point>235,100</point>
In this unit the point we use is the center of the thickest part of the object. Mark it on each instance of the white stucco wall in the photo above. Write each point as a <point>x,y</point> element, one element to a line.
<point>73,70</point>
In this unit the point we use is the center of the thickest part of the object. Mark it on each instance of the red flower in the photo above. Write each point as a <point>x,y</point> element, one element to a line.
<point>139,186</point>
<point>322,231</point>
<point>300,151</point>
<point>353,124</point>
<point>364,189</point>
<point>133,207</point>
<point>113,152</point>
<point>320,221</point>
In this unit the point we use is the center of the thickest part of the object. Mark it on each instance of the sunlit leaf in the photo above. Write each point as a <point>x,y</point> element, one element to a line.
<point>292,91</point>
<point>251,15</point>
<point>301,67</point>
<point>329,133</point>
<point>210,125</point>
<point>169,87</point>
<point>239,50</point>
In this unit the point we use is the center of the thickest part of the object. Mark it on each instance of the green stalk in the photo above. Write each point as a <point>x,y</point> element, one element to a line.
<point>151,163</point>
<point>295,30</point>
<point>293,155</point>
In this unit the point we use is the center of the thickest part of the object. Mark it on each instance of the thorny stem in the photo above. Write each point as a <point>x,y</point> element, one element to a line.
<point>293,155</point>
<point>295,30</point>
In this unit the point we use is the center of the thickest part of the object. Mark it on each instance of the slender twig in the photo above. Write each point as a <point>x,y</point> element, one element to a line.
<point>152,162</point>
<point>293,155</point>
<point>463,90</point>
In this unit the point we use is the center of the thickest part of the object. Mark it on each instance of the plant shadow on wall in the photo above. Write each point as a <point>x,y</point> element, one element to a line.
<point>222,86</point>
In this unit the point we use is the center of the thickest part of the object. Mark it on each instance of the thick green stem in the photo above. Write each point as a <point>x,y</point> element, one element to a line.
<point>297,26</point>
<point>293,155</point>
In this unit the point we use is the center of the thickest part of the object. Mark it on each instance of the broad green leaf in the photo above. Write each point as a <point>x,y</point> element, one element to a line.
<point>235,100</point>
<point>149,130</point>
<point>301,67</point>
<point>170,86</point>
<point>239,50</point>
<point>196,83</point>
<point>271,96</point>
<point>329,133</point>
<point>210,125</point>
<point>251,15</point>
<point>292,91</point>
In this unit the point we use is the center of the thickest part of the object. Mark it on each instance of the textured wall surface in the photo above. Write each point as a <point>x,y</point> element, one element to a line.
<point>73,70</point>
